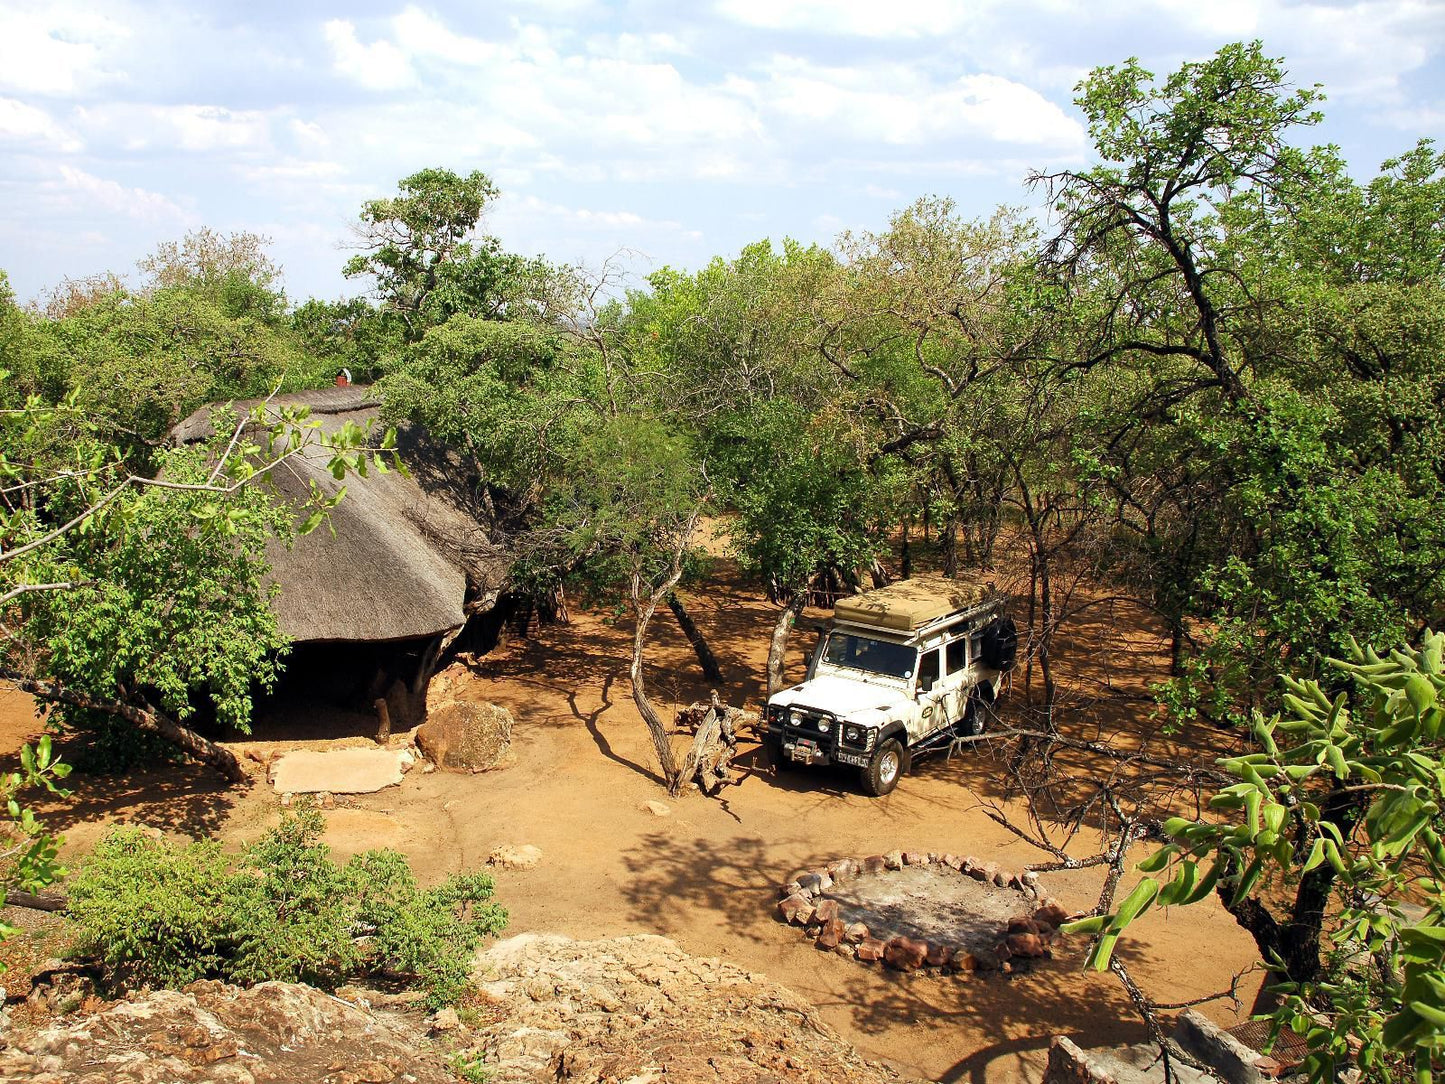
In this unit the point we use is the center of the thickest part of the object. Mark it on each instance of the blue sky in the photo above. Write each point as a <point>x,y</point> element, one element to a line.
<point>674,131</point>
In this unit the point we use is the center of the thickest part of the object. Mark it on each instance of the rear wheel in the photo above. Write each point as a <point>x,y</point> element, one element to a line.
<point>882,773</point>
<point>976,711</point>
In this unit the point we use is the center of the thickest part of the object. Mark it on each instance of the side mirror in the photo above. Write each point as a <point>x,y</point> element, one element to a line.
<point>925,684</point>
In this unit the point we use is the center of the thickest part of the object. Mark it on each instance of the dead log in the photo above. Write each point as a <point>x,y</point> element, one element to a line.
<point>36,901</point>
<point>198,747</point>
<point>709,760</point>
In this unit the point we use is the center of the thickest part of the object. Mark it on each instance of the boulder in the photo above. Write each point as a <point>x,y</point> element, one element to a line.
<point>515,857</point>
<point>905,954</point>
<point>1029,945</point>
<point>870,949</point>
<point>1051,914</point>
<point>827,910</point>
<point>466,736</point>
<point>831,936</point>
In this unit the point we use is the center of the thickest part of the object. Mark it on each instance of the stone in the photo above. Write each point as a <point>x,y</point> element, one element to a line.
<point>1267,1067</point>
<point>984,961</point>
<point>844,869</point>
<point>905,954</point>
<point>893,859</point>
<point>831,935</point>
<point>938,955</point>
<point>847,951</point>
<point>1022,924</point>
<point>327,799</point>
<point>915,858</point>
<point>515,857</point>
<point>815,882</point>
<point>335,771</point>
<point>856,932</point>
<point>964,961</point>
<point>875,863</point>
<point>870,949</point>
<point>1029,945</point>
<point>467,736</point>
<point>791,908</point>
<point>656,808</point>
<point>952,861</point>
<point>827,910</point>
<point>974,868</point>
<point>1051,914</point>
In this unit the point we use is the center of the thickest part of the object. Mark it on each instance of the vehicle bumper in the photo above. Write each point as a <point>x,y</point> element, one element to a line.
<point>806,748</point>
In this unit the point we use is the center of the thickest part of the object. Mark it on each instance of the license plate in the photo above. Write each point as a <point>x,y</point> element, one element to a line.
<point>857,760</point>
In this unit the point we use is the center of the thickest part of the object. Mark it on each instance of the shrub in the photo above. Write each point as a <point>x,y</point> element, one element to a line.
<point>166,915</point>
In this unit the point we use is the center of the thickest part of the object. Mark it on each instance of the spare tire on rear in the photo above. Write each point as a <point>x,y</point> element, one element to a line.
<point>999,644</point>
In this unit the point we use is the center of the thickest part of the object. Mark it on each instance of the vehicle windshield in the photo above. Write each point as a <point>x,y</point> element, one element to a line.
<point>874,656</point>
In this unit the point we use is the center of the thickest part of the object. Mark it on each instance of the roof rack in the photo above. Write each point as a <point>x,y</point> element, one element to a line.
<point>918,605</point>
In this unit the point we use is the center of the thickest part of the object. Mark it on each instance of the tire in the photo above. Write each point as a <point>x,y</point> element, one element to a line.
<point>884,770</point>
<point>1000,644</point>
<point>976,710</point>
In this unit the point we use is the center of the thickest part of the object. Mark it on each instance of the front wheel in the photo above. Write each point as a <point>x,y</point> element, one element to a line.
<point>882,773</point>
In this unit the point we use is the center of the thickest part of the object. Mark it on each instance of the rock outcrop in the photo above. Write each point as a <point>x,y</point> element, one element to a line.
<point>218,1034</point>
<point>639,1008</point>
<point>549,1009</point>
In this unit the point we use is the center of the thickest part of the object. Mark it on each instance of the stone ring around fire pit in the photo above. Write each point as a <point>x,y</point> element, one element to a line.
<point>911,910</point>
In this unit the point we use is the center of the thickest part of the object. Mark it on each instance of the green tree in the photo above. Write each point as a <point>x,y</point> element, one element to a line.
<point>422,250</point>
<point>1330,851</point>
<point>139,599</point>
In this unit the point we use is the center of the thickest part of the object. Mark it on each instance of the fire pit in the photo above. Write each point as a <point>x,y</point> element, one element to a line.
<point>911,910</point>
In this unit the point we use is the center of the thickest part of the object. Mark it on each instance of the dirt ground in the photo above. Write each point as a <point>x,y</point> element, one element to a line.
<point>707,873</point>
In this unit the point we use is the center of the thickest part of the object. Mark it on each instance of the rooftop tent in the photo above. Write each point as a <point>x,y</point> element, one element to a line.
<point>909,605</point>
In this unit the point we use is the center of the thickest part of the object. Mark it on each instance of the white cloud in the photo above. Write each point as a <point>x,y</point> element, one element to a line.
<point>378,66</point>
<point>895,104</point>
<point>201,129</point>
<point>88,194</point>
<point>21,123</point>
<point>863,18</point>
<point>53,50</point>
<point>419,34</point>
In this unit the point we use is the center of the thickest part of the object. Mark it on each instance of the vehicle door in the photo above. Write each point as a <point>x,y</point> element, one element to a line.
<point>931,695</point>
<point>957,677</point>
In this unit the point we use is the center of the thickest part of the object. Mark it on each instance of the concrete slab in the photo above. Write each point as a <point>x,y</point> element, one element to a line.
<point>340,771</point>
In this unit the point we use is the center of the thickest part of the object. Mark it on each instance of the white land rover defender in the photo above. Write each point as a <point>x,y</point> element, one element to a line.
<point>898,671</point>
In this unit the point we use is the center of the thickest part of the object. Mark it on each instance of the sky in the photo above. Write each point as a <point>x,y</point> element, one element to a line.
<point>659,132</point>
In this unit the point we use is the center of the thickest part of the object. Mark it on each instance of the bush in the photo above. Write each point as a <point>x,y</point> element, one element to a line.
<point>166,915</point>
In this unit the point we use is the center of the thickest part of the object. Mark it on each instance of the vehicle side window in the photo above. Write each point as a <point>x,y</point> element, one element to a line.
<point>927,670</point>
<point>956,655</point>
<point>975,641</point>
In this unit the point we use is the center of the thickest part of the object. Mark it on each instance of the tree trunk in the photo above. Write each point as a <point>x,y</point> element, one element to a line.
<point>705,658</point>
<point>905,556</point>
<point>202,749</point>
<point>778,647</point>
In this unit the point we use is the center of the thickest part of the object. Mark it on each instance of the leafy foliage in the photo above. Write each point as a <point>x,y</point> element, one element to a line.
<point>28,852</point>
<point>167,915</point>
<point>1337,816</point>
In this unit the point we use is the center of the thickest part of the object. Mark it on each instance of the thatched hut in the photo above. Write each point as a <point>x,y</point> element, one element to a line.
<point>402,567</point>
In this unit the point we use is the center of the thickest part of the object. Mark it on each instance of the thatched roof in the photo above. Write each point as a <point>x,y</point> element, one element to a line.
<point>402,550</point>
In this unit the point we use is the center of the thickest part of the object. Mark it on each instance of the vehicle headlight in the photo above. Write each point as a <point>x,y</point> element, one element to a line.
<point>796,718</point>
<point>853,734</point>
<point>824,726</point>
